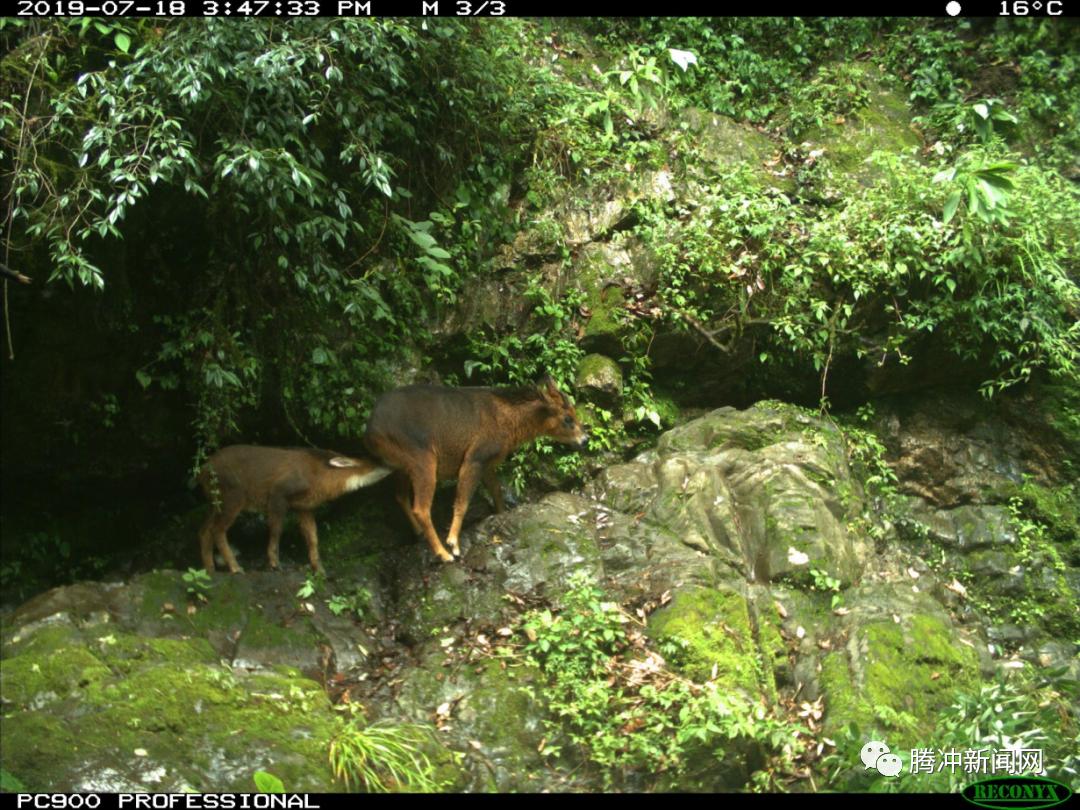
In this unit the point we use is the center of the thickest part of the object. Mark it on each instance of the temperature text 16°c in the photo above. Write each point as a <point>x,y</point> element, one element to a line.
<point>1025,8</point>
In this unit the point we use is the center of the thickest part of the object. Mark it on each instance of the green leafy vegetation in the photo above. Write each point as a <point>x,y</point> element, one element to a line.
<point>197,583</point>
<point>381,758</point>
<point>1045,524</point>
<point>1028,711</point>
<point>9,783</point>
<point>307,242</point>
<point>269,156</point>
<point>618,706</point>
<point>357,603</point>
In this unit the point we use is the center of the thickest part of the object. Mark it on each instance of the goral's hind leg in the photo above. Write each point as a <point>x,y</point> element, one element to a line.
<point>275,519</point>
<point>311,537</point>
<point>422,476</point>
<point>403,495</point>
<point>491,483</point>
<point>221,521</point>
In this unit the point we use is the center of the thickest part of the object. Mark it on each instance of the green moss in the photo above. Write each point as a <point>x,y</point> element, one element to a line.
<point>43,639</point>
<point>843,704</point>
<point>1045,523</point>
<point>230,606</point>
<point>667,408</point>
<point>596,365</point>
<point>917,668</point>
<point>356,530</point>
<point>125,653</point>
<point>774,651</point>
<point>913,668</point>
<point>160,588</point>
<point>881,124</point>
<point>35,743</point>
<point>162,698</point>
<point>502,698</point>
<point>428,606</point>
<point>502,710</point>
<point>261,633</point>
<point>197,722</point>
<point>1057,508</point>
<point>704,137</point>
<point>9,783</point>
<point>605,304</point>
<point>1047,526</point>
<point>1061,404</point>
<point>763,425</point>
<point>713,629</point>
<point>30,681</point>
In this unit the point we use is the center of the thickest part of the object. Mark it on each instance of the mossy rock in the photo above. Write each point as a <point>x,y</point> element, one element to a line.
<point>603,272</point>
<point>710,636</point>
<point>538,545</point>
<point>599,379</point>
<point>914,667</point>
<point>764,424</point>
<point>448,595</point>
<point>126,653</point>
<point>31,681</point>
<point>598,274</point>
<point>884,124</point>
<point>628,488</point>
<point>158,714</point>
<point>497,719</point>
<point>767,491</point>
<point>253,618</point>
<point>723,143</point>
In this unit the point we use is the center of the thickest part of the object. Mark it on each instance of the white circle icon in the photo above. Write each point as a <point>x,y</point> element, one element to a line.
<point>889,765</point>
<point>952,9</point>
<point>871,751</point>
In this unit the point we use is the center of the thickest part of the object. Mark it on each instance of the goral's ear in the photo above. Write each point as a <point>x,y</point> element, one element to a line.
<point>547,383</point>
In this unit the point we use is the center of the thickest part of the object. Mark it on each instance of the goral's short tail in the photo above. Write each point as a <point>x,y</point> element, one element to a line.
<point>368,472</point>
<point>369,478</point>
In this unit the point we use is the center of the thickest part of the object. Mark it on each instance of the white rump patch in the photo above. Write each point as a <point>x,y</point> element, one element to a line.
<point>356,481</point>
<point>344,461</point>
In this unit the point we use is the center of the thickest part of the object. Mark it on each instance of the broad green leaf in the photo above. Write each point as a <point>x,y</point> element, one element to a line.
<point>997,180</point>
<point>950,205</point>
<point>268,783</point>
<point>990,193</point>
<point>435,266</point>
<point>424,240</point>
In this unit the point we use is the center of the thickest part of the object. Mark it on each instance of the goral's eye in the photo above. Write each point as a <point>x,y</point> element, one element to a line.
<point>568,421</point>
